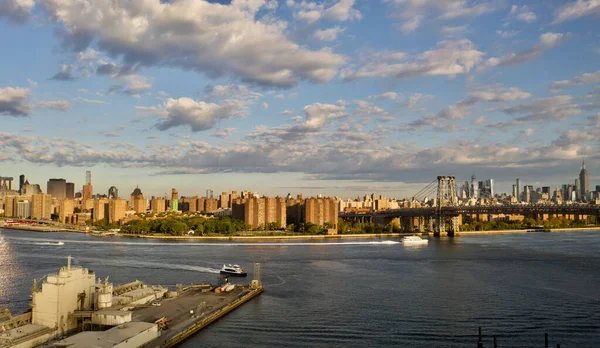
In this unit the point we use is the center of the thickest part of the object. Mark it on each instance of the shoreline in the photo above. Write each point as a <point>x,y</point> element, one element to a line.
<point>304,237</point>
<point>259,238</point>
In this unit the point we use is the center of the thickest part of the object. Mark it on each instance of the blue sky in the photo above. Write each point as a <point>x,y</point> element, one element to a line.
<point>337,97</point>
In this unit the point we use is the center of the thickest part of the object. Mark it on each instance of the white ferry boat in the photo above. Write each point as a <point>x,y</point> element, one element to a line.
<point>233,270</point>
<point>414,240</point>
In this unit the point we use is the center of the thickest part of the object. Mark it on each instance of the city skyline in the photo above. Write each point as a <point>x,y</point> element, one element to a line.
<point>486,187</point>
<point>337,97</point>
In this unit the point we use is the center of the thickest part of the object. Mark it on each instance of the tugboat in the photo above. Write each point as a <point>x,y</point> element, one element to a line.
<point>233,270</point>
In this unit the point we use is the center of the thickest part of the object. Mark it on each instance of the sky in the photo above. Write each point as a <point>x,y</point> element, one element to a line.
<point>337,97</point>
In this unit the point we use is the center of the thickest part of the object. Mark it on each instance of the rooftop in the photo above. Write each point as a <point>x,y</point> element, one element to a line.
<point>105,339</point>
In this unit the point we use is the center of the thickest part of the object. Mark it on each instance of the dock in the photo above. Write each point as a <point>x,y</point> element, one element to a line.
<point>192,311</point>
<point>128,315</point>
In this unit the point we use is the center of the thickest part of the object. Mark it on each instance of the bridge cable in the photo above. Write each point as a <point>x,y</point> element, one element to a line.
<point>426,188</point>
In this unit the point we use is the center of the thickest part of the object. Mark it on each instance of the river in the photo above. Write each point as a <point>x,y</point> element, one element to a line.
<point>354,293</point>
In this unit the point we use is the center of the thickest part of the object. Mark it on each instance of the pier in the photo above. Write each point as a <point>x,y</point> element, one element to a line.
<point>194,310</point>
<point>128,315</point>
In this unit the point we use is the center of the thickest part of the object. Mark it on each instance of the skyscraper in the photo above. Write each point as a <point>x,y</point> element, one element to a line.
<point>584,181</point>
<point>21,183</point>
<point>88,191</point>
<point>474,187</point>
<point>209,193</point>
<point>57,188</point>
<point>518,190</point>
<point>70,190</point>
<point>515,192</point>
<point>174,199</point>
<point>527,193</point>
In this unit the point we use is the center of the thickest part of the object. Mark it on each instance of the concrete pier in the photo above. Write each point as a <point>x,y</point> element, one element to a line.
<point>207,307</point>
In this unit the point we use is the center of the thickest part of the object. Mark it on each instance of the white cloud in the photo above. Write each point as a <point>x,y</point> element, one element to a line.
<point>16,10</point>
<point>14,102</point>
<point>386,119</point>
<point>61,105</point>
<point>136,84</point>
<point>522,13</point>
<point>444,120</point>
<point>415,12</point>
<point>365,108</point>
<point>271,4</point>
<point>507,34</point>
<point>449,58</point>
<point>286,112</point>
<point>198,115</point>
<point>329,34</point>
<point>480,120</point>
<point>576,9</point>
<point>223,132</point>
<point>557,108</point>
<point>547,41</point>
<point>264,105</point>
<point>65,73</point>
<point>211,38</point>
<point>385,96</point>
<point>454,30</point>
<point>411,24</point>
<point>414,99</point>
<point>91,101</point>
<point>32,83</point>
<point>234,91</point>
<point>497,94</point>
<point>280,96</point>
<point>318,115</point>
<point>311,12</point>
<point>583,79</point>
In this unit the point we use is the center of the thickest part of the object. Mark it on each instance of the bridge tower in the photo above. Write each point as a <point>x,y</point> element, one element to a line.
<point>446,197</point>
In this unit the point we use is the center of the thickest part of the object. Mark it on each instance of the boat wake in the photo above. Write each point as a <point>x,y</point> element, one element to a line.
<point>91,262</point>
<point>46,243</point>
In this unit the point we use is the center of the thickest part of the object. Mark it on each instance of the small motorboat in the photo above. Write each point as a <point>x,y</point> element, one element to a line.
<point>233,270</point>
<point>60,243</point>
<point>414,240</point>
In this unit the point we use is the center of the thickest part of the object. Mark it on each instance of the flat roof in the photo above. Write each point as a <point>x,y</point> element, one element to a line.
<point>20,332</point>
<point>108,338</point>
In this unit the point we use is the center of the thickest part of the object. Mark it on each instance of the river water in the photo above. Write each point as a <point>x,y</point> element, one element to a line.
<point>354,293</point>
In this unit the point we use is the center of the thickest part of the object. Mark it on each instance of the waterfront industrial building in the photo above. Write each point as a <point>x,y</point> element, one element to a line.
<point>70,307</point>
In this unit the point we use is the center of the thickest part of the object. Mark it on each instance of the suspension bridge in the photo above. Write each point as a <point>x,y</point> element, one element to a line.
<point>444,215</point>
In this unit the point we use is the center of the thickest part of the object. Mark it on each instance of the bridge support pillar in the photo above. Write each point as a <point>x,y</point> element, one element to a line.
<point>421,224</point>
<point>454,227</point>
<point>440,228</point>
